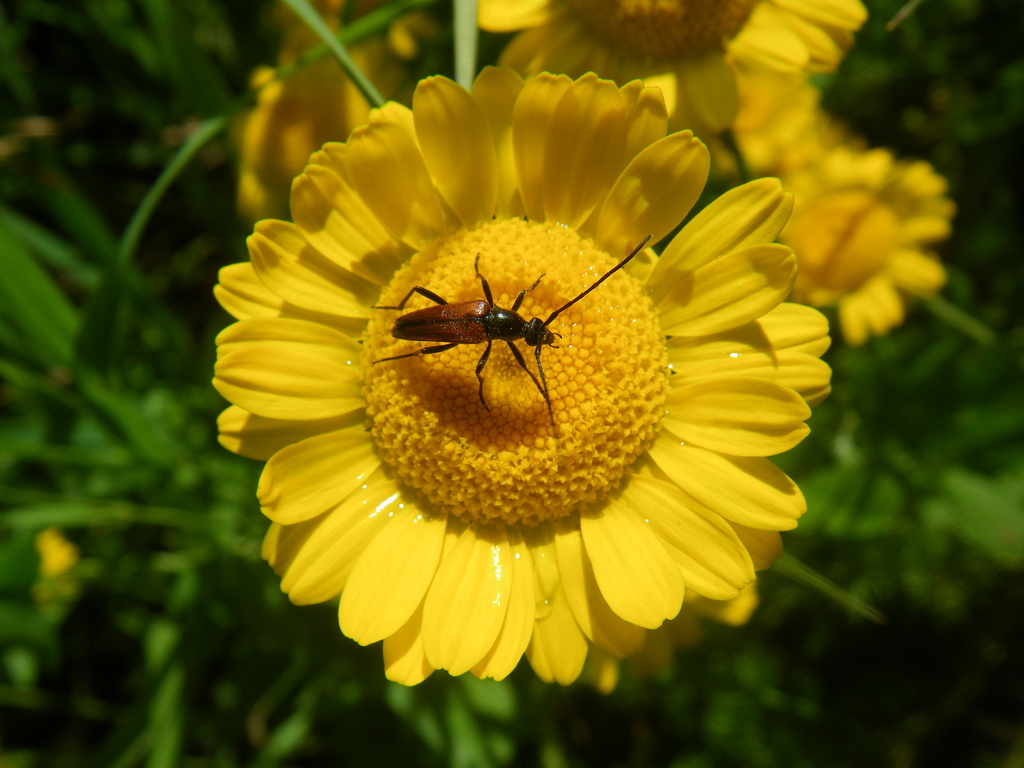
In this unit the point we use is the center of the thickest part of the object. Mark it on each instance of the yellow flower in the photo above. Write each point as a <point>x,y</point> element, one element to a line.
<point>684,631</point>
<point>296,116</point>
<point>862,226</point>
<point>465,535</point>
<point>57,556</point>
<point>688,48</point>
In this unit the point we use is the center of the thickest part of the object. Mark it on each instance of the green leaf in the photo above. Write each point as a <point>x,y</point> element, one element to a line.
<point>986,513</point>
<point>22,624</point>
<point>187,65</point>
<point>854,502</point>
<point>19,566</point>
<point>100,325</point>
<point>56,253</point>
<point>31,301</point>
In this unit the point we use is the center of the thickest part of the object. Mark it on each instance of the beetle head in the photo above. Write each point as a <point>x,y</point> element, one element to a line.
<point>536,334</point>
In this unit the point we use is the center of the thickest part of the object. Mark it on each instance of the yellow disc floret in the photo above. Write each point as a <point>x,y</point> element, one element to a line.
<point>663,29</point>
<point>607,379</point>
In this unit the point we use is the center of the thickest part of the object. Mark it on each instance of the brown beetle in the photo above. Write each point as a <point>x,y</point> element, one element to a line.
<point>474,322</point>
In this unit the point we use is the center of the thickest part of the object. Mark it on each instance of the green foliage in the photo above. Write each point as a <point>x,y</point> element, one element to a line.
<point>169,642</point>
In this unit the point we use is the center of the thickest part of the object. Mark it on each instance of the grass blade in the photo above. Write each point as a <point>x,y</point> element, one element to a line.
<point>313,20</point>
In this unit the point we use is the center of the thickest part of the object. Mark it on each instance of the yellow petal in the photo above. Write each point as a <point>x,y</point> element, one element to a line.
<point>531,126</point>
<point>562,45</point>
<point>585,141</point>
<point>294,270</point>
<point>558,648</point>
<point>637,577</point>
<point>709,554</point>
<point>767,40</point>
<point>457,148</point>
<point>495,90</point>
<point>258,437</point>
<point>915,272</point>
<point>515,633</point>
<point>845,14</point>
<point>468,599</point>
<point>597,620</point>
<point>854,310</point>
<point>750,214</point>
<point>708,99</point>
<point>391,576</point>
<point>654,193</point>
<point>512,15</point>
<point>242,294</point>
<point>404,660</point>
<point>602,670</point>
<point>742,417</point>
<point>737,288</point>
<point>310,476</point>
<point>788,327</point>
<point>764,547</point>
<point>283,368</point>
<point>334,219</point>
<point>316,557</point>
<point>886,309</point>
<point>386,168</point>
<point>801,372</point>
<point>667,84</point>
<point>751,491</point>
<point>647,120</point>
<point>924,229</point>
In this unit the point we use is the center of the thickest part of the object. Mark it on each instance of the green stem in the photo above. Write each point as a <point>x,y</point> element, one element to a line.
<point>191,147</point>
<point>963,322</point>
<point>315,22</point>
<point>790,566</point>
<point>729,139</point>
<point>466,37</point>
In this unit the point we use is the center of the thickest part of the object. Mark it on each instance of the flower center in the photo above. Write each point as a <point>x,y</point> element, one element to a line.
<point>843,238</point>
<point>606,375</point>
<point>663,29</point>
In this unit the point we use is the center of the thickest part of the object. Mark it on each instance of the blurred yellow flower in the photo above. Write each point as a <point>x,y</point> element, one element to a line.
<point>57,556</point>
<point>779,127</point>
<point>863,225</point>
<point>688,48</point>
<point>683,631</point>
<point>465,535</point>
<point>296,116</point>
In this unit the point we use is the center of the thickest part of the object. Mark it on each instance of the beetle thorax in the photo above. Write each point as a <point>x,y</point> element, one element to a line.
<point>503,324</point>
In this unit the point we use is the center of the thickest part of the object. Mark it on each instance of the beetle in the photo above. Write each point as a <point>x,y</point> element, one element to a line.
<point>481,320</point>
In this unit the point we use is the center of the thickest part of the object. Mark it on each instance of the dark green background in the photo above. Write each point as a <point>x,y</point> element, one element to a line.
<point>178,648</point>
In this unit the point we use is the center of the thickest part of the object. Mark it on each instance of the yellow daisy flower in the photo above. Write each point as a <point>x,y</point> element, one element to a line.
<point>863,226</point>
<point>688,48</point>
<point>464,535</point>
<point>294,117</point>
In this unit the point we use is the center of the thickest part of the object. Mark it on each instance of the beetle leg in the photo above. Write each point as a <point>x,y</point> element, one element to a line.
<point>487,286</point>
<point>522,294</point>
<point>424,351</point>
<point>479,367</point>
<point>422,292</point>
<point>543,390</point>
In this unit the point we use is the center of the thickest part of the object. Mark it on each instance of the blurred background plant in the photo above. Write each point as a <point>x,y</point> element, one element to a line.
<point>138,625</point>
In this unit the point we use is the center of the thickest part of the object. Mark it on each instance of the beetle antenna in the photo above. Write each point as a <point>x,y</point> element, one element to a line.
<point>603,277</point>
